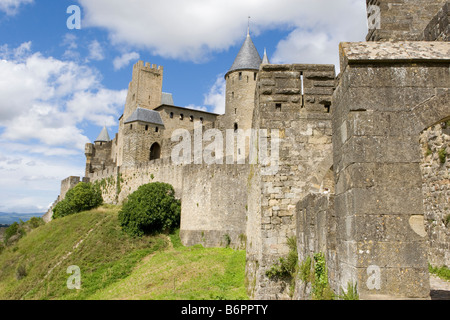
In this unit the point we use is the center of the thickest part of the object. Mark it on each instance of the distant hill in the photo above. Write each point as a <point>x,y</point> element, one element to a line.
<point>10,218</point>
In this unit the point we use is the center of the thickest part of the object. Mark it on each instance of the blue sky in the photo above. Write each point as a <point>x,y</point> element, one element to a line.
<point>58,87</point>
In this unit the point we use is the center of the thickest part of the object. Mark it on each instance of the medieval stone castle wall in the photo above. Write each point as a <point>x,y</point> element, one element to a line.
<point>360,174</point>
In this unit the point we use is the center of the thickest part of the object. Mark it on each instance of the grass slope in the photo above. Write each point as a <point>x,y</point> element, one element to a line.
<point>115,266</point>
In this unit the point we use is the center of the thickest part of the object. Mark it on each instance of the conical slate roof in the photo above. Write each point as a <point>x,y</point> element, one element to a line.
<point>247,58</point>
<point>103,136</point>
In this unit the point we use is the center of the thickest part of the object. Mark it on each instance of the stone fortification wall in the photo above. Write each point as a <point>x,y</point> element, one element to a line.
<point>117,183</point>
<point>68,184</point>
<point>294,100</point>
<point>389,92</point>
<point>214,205</point>
<point>316,233</point>
<point>98,156</point>
<point>439,28</point>
<point>435,142</point>
<point>401,19</point>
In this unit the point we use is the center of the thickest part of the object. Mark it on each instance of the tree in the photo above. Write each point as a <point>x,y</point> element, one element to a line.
<point>151,208</point>
<point>82,197</point>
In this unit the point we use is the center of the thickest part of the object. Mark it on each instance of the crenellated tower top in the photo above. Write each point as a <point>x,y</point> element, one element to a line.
<point>145,88</point>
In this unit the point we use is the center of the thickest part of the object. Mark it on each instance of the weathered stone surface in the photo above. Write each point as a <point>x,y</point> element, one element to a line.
<point>436,192</point>
<point>388,52</point>
<point>401,19</point>
<point>379,201</point>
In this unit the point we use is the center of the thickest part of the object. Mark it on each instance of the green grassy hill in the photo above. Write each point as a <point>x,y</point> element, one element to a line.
<point>115,266</point>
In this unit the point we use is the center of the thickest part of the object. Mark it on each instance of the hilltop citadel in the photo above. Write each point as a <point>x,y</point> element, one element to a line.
<point>360,173</point>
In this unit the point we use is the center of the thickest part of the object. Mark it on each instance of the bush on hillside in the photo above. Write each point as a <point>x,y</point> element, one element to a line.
<point>82,197</point>
<point>17,230</point>
<point>11,231</point>
<point>151,208</point>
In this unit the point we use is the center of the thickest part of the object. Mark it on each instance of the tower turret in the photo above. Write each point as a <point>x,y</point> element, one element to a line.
<point>240,87</point>
<point>103,137</point>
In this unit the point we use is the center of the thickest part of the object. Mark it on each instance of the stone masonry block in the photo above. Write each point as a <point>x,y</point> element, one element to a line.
<point>377,227</point>
<point>393,283</point>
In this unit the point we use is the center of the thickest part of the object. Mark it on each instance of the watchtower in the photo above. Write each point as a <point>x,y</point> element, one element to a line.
<point>145,88</point>
<point>240,87</point>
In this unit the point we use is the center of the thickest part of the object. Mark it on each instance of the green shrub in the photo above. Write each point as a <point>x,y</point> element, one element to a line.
<point>151,208</point>
<point>286,267</point>
<point>442,155</point>
<point>21,272</point>
<point>305,270</point>
<point>82,197</point>
<point>352,292</point>
<point>320,287</point>
<point>11,231</point>
<point>35,222</point>
<point>442,272</point>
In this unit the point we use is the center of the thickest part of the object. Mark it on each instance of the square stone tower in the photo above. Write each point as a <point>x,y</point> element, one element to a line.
<point>144,91</point>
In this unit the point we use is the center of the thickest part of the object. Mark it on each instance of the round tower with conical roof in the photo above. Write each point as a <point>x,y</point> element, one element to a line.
<point>240,87</point>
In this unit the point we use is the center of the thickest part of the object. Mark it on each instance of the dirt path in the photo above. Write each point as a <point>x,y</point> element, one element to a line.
<point>440,289</point>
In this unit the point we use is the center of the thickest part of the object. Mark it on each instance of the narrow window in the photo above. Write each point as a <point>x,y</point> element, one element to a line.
<point>235,110</point>
<point>235,127</point>
<point>327,108</point>
<point>181,116</point>
<point>191,118</point>
<point>254,76</point>
<point>131,127</point>
<point>247,79</point>
<point>302,88</point>
<point>232,95</point>
<point>301,82</point>
<point>146,128</point>
<point>171,115</point>
<point>240,75</point>
<point>156,129</point>
<point>201,120</point>
<point>278,106</point>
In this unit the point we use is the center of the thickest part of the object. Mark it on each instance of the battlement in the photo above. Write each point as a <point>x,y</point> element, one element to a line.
<point>148,67</point>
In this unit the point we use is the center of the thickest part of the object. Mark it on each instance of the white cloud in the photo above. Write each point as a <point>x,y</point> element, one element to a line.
<point>45,104</point>
<point>191,30</point>
<point>30,184</point>
<point>214,99</point>
<point>124,60</point>
<point>96,51</point>
<point>46,99</point>
<point>11,7</point>
<point>216,96</point>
